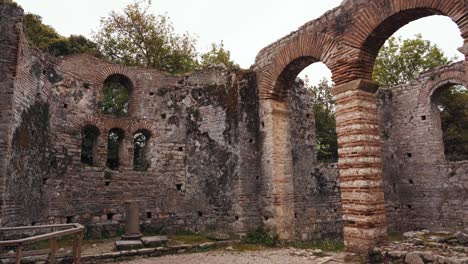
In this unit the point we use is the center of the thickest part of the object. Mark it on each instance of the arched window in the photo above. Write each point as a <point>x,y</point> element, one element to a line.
<point>89,135</point>
<point>115,100</point>
<point>114,148</point>
<point>450,107</point>
<point>140,162</point>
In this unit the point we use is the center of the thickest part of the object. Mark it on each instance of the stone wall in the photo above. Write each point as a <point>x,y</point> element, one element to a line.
<point>203,150</point>
<point>223,154</point>
<point>422,189</point>
<point>10,28</point>
<point>195,179</point>
<point>347,40</point>
<point>317,199</point>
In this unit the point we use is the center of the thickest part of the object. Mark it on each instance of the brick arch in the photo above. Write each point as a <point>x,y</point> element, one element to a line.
<point>89,121</point>
<point>143,125</point>
<point>301,51</point>
<point>376,21</point>
<point>446,78</point>
<point>109,124</point>
<point>128,73</point>
<point>117,70</point>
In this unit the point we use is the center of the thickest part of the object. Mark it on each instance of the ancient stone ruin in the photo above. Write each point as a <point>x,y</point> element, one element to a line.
<point>234,150</point>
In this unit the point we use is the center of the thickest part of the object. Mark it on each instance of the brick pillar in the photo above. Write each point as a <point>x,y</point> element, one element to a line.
<point>126,151</point>
<point>277,197</point>
<point>360,166</point>
<point>101,151</point>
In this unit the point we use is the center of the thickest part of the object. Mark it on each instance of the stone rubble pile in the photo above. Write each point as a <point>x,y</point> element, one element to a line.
<point>421,247</point>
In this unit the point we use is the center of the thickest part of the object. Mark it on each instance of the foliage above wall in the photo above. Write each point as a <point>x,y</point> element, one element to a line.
<point>400,61</point>
<point>47,39</point>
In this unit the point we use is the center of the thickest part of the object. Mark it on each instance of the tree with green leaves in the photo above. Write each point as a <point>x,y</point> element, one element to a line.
<point>40,35</point>
<point>75,44</point>
<point>400,61</point>
<point>135,37</point>
<point>45,38</point>
<point>218,55</point>
<point>453,107</point>
<point>325,124</point>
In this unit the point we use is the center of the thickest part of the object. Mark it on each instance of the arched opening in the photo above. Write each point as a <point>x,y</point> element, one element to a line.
<point>114,148</point>
<point>420,46</point>
<point>140,150</point>
<point>449,106</point>
<point>385,190</point>
<point>317,80</point>
<point>411,134</point>
<point>301,113</point>
<point>89,136</point>
<point>116,95</point>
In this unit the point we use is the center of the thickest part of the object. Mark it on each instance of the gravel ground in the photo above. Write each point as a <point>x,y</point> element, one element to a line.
<point>279,256</point>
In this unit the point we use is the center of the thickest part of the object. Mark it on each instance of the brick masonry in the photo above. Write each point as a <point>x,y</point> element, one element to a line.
<point>233,150</point>
<point>347,40</point>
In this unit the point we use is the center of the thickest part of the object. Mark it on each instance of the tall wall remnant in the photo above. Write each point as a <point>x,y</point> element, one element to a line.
<point>347,40</point>
<point>234,150</point>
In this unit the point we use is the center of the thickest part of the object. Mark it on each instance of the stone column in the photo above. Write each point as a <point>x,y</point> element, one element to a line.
<point>277,197</point>
<point>360,166</point>
<point>132,221</point>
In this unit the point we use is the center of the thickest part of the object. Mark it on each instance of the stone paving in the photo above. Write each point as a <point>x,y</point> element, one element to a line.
<point>276,256</point>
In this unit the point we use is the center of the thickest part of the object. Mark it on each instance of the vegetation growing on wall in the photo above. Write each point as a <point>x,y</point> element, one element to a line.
<point>116,96</point>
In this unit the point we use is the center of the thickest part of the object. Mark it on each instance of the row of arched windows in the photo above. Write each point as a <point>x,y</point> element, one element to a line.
<point>89,143</point>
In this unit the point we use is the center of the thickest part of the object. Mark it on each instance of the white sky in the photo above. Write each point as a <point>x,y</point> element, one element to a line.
<point>245,26</point>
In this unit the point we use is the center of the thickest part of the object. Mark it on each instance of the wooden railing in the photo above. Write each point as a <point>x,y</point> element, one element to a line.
<point>69,229</point>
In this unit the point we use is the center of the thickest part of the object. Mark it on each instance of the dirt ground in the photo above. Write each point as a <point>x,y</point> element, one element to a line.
<point>271,256</point>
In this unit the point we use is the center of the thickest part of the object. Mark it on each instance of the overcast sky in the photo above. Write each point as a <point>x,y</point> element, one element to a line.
<point>245,26</point>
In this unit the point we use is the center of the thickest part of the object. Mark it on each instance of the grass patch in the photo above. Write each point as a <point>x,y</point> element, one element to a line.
<point>260,237</point>
<point>188,239</point>
<point>326,245</point>
<point>248,247</point>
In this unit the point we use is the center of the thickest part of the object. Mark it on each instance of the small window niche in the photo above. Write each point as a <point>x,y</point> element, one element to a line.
<point>116,95</point>
<point>140,150</point>
<point>114,148</point>
<point>89,136</point>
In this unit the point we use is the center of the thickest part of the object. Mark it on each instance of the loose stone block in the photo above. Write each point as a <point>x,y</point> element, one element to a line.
<point>128,244</point>
<point>154,241</point>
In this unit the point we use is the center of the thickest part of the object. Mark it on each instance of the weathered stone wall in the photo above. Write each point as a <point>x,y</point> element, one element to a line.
<point>317,202</point>
<point>203,150</point>
<point>30,157</point>
<point>228,153</point>
<point>195,179</point>
<point>10,28</point>
<point>422,189</point>
<point>346,39</point>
